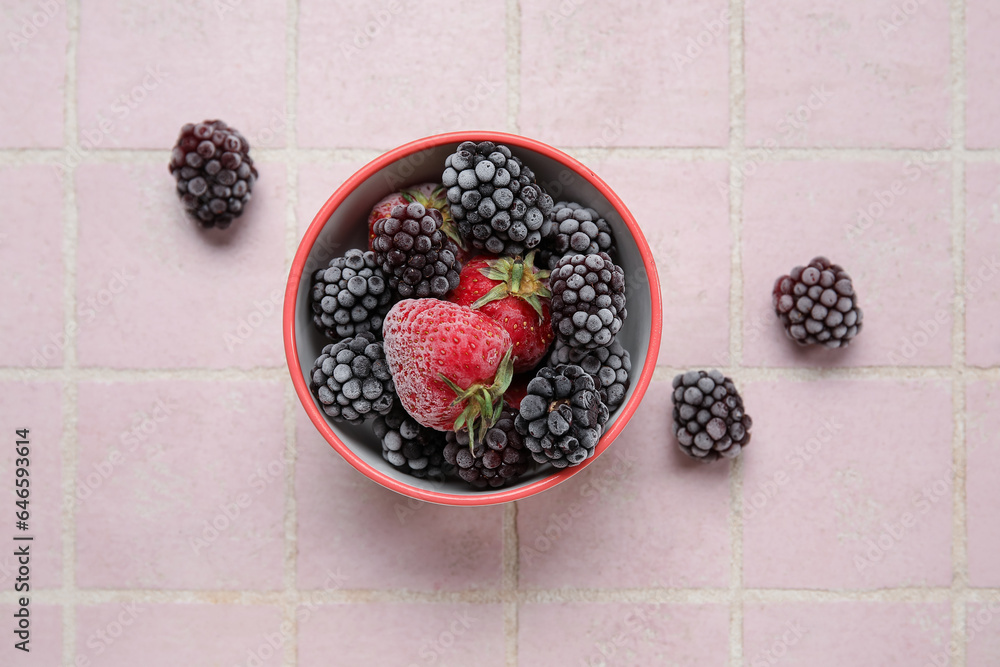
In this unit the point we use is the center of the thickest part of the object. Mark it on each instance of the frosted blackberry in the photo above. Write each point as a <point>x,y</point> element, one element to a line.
<point>588,300</point>
<point>609,366</point>
<point>350,296</point>
<point>416,256</point>
<point>817,304</point>
<point>562,416</point>
<point>410,447</point>
<point>214,172</point>
<point>709,420</point>
<point>351,379</point>
<point>573,229</point>
<point>499,459</point>
<point>494,199</point>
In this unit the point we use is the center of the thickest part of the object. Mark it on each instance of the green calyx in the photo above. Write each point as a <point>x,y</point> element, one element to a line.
<point>518,278</point>
<point>484,403</point>
<point>438,199</point>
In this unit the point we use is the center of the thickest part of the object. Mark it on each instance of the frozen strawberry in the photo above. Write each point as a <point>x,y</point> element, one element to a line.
<point>514,293</point>
<point>431,195</point>
<point>451,365</point>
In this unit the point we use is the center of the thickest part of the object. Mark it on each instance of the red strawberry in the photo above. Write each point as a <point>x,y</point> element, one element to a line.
<point>431,195</point>
<point>450,364</point>
<point>513,292</point>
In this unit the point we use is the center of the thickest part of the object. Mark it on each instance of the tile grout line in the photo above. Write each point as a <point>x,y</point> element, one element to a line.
<point>960,575</point>
<point>70,405</point>
<point>291,593</point>
<point>736,154</point>
<point>510,557</point>
<point>42,156</point>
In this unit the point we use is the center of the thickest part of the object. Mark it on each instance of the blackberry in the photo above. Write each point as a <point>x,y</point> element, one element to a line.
<point>562,416</point>
<point>500,458</point>
<point>709,420</point>
<point>609,366</point>
<point>416,256</point>
<point>817,304</point>
<point>351,379</point>
<point>588,300</point>
<point>410,447</point>
<point>494,198</point>
<point>214,172</point>
<point>350,296</point>
<point>572,229</point>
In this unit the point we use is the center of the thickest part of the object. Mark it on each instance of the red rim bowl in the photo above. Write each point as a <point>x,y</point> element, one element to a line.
<point>412,163</point>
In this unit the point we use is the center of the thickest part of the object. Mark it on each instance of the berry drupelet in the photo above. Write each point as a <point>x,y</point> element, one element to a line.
<point>494,198</point>
<point>214,171</point>
<point>350,296</point>
<point>573,229</point>
<point>562,416</point>
<point>609,366</point>
<point>588,300</point>
<point>709,420</point>
<point>817,304</point>
<point>410,447</point>
<point>500,458</point>
<point>351,379</point>
<point>415,255</point>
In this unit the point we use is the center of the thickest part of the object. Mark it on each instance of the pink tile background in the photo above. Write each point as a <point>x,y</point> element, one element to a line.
<point>45,642</point>
<point>827,73</point>
<point>866,634</point>
<point>33,63</point>
<point>31,255</point>
<point>982,265</point>
<point>145,521</point>
<point>900,258</point>
<point>818,108</point>
<point>621,633</point>
<point>834,498</point>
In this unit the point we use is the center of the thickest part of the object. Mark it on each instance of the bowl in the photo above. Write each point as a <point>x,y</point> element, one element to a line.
<point>341,224</point>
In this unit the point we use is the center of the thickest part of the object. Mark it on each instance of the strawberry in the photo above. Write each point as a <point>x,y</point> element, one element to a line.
<point>431,195</point>
<point>513,292</point>
<point>451,365</point>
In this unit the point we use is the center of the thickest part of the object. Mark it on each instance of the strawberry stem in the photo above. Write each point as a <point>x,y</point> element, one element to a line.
<point>483,403</point>
<point>518,278</point>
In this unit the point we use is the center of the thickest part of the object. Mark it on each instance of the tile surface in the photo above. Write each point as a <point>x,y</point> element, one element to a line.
<point>982,265</point>
<point>829,501</point>
<point>31,254</point>
<point>982,112</point>
<point>156,510</point>
<point>826,73</point>
<point>886,223</point>
<point>983,467</point>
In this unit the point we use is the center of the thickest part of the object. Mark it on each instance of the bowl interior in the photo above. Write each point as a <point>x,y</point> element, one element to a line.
<point>346,228</point>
